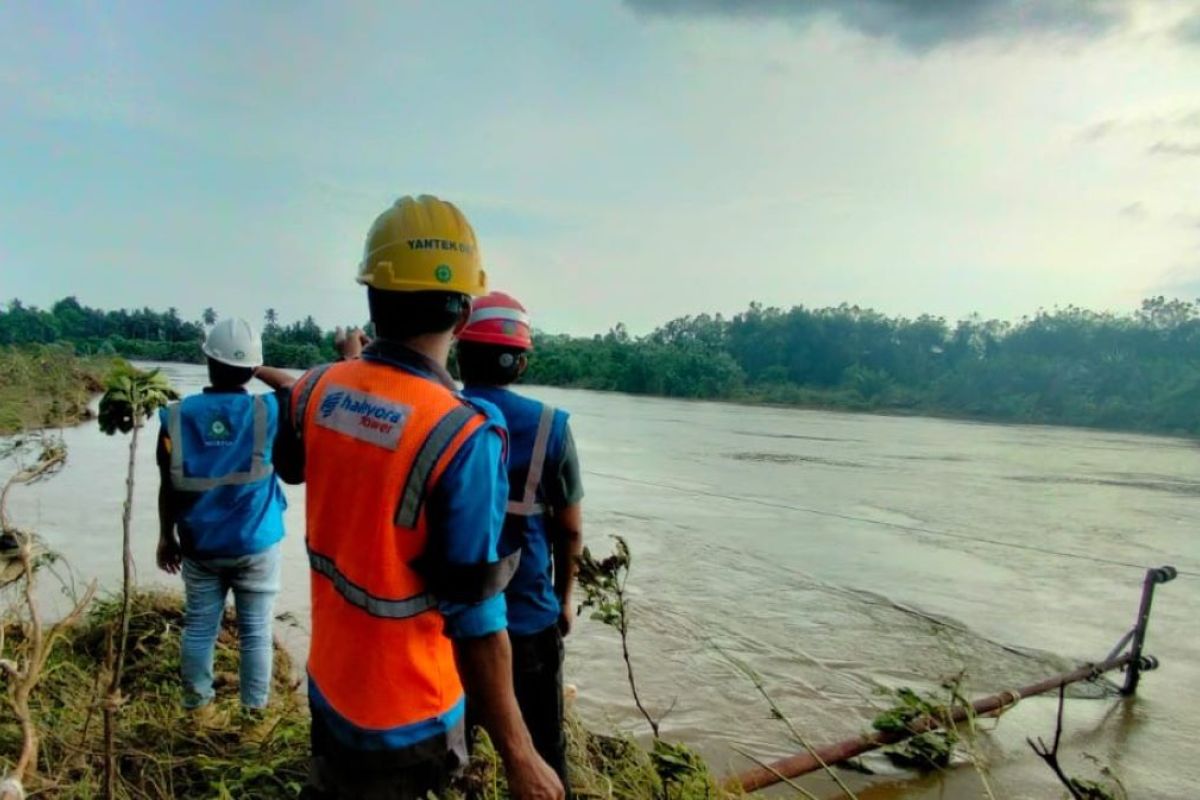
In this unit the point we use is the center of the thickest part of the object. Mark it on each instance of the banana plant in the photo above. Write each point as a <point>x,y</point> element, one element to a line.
<point>132,396</point>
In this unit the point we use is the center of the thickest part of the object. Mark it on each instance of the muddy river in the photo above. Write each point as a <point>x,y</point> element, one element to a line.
<point>838,556</point>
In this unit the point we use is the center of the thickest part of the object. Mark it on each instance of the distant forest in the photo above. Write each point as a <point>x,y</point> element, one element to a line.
<point>1137,371</point>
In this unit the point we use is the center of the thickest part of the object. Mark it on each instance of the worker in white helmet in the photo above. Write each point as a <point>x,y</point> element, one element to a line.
<point>221,519</point>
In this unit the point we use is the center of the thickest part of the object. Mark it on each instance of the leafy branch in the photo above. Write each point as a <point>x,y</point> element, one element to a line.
<point>603,584</point>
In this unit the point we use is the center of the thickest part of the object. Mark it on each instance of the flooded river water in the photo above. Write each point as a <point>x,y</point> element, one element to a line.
<point>836,555</point>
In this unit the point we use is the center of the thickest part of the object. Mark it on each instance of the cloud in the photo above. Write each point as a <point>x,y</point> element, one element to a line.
<point>1188,31</point>
<point>919,24</point>
<point>1170,148</point>
<point>1161,128</point>
<point>1134,211</point>
<point>1099,130</point>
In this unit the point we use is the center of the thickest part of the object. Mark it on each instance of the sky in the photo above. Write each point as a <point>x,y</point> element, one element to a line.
<point>620,160</point>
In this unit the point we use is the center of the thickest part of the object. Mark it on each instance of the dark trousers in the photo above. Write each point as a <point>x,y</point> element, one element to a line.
<point>339,774</point>
<point>537,681</point>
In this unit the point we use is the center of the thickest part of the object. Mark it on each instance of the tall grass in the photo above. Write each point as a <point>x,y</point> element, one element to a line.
<point>162,754</point>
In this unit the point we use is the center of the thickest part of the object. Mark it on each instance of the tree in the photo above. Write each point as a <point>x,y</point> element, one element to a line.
<point>209,316</point>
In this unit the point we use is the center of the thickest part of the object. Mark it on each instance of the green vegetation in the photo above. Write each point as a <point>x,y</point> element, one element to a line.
<point>149,335</point>
<point>46,386</point>
<point>162,754</point>
<point>1137,371</point>
<point>927,749</point>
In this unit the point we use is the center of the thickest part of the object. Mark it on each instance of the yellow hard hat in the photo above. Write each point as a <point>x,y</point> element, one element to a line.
<point>420,245</point>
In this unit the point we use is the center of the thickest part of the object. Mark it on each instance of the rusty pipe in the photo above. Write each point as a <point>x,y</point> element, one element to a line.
<point>803,763</point>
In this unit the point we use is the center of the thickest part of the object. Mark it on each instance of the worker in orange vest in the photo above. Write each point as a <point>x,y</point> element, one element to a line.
<point>545,520</point>
<point>406,491</point>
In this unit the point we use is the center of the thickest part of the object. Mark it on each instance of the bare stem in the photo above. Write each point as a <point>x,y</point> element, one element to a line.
<point>113,700</point>
<point>624,631</point>
<point>1050,754</point>
<point>29,675</point>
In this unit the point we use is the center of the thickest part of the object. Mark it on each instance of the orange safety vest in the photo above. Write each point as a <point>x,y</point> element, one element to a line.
<point>376,440</point>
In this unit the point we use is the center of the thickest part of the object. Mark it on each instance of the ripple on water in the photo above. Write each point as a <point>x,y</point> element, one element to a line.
<point>790,458</point>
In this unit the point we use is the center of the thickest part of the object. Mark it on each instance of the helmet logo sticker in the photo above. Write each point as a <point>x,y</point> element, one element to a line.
<point>239,354</point>
<point>443,273</point>
<point>508,326</point>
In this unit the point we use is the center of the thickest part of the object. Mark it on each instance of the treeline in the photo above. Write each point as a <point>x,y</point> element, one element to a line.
<point>1136,371</point>
<point>150,335</point>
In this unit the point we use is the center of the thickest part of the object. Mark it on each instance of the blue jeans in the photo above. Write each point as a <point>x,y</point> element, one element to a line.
<point>254,580</point>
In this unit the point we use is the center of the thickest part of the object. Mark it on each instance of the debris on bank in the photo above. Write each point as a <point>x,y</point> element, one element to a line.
<point>162,754</point>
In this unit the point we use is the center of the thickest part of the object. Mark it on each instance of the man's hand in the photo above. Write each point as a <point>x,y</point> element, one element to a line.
<point>169,557</point>
<point>566,617</point>
<point>350,344</point>
<point>533,780</point>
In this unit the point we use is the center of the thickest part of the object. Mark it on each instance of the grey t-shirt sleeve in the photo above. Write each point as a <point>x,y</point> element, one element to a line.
<point>563,481</point>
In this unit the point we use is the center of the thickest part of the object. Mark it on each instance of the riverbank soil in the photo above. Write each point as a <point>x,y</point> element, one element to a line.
<point>161,754</point>
<point>47,387</point>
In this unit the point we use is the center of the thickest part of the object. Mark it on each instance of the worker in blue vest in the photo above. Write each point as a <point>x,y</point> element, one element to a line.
<point>544,520</point>
<point>221,518</point>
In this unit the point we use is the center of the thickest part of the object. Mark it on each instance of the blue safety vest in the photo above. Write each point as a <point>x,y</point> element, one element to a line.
<point>537,436</point>
<point>221,456</point>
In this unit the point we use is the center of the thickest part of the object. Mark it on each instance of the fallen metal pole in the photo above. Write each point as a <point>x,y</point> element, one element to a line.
<point>803,763</point>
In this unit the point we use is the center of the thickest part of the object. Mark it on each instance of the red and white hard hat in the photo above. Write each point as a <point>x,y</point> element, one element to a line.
<point>500,320</point>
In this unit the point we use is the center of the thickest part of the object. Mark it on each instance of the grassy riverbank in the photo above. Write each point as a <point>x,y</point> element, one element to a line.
<point>163,756</point>
<point>47,386</point>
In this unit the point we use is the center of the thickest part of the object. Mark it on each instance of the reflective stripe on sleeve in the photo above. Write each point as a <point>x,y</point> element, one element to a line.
<point>468,583</point>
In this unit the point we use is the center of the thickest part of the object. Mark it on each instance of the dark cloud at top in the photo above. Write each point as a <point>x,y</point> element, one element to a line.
<point>1189,30</point>
<point>920,24</point>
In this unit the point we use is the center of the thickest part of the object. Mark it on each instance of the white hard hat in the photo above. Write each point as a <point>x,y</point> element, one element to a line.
<point>234,341</point>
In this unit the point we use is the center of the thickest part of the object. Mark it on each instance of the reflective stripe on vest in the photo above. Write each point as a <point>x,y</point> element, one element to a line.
<point>355,595</point>
<point>427,458</point>
<point>260,468</point>
<point>528,506</point>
